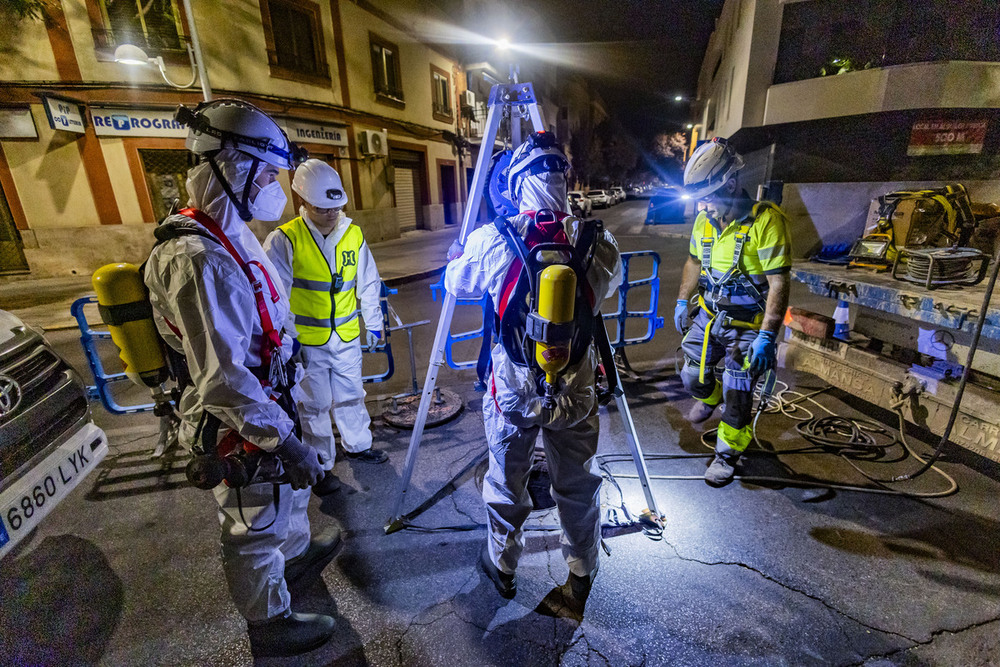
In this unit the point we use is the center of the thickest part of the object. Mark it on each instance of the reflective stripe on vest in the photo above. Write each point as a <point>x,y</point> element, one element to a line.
<point>323,297</point>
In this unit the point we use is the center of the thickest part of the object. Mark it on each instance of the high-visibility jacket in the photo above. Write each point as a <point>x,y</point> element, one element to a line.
<point>323,296</point>
<point>737,260</point>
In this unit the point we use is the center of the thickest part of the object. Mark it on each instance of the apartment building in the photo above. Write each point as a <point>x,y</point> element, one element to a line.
<point>844,101</point>
<point>90,156</point>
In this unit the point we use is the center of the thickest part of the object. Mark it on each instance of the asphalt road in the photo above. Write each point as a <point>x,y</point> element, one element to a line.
<point>126,570</point>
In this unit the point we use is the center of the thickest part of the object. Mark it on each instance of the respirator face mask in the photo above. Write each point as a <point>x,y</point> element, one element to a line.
<point>269,203</point>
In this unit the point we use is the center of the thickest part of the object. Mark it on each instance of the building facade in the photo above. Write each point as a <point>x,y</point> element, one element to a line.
<point>90,155</point>
<point>843,102</point>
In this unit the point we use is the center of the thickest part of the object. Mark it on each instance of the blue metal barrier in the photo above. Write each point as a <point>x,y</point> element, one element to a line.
<point>103,381</point>
<point>623,314</point>
<point>464,335</point>
<point>620,316</point>
<point>101,390</point>
<point>384,346</point>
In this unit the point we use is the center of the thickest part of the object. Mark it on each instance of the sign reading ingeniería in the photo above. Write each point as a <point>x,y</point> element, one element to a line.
<point>303,132</point>
<point>115,122</point>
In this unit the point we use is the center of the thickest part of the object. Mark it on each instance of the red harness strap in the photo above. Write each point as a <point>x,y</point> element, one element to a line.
<point>548,231</point>
<point>272,337</point>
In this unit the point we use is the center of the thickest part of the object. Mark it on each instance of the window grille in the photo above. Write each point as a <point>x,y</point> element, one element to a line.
<point>152,25</point>
<point>166,176</point>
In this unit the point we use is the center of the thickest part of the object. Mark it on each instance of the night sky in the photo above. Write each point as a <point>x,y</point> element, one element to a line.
<point>638,53</point>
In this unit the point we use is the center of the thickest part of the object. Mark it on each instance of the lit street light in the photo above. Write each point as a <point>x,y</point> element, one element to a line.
<point>130,54</point>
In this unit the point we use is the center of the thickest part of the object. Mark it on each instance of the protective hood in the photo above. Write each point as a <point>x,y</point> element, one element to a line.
<point>545,190</point>
<point>206,194</point>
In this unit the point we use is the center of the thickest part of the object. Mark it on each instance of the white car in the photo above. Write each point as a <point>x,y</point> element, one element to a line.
<point>580,204</point>
<point>619,194</point>
<point>600,198</point>
<point>48,442</point>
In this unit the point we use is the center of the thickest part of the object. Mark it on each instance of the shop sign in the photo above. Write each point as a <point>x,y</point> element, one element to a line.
<point>314,133</point>
<point>17,124</point>
<point>117,122</point>
<point>64,114</point>
<point>947,137</point>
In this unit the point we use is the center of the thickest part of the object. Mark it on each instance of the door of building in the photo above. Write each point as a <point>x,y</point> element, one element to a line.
<point>11,249</point>
<point>408,189</point>
<point>448,193</point>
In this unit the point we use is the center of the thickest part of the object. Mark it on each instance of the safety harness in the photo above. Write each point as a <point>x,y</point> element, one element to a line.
<point>545,242</point>
<point>734,282</point>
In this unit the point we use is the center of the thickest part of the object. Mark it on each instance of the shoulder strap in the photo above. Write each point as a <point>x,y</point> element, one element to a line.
<point>272,337</point>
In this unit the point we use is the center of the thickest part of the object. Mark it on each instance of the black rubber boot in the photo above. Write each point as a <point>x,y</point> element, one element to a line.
<point>319,548</point>
<point>329,484</point>
<point>290,635</point>
<point>371,455</point>
<point>506,584</point>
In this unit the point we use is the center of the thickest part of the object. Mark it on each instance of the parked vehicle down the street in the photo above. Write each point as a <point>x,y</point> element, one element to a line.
<point>619,194</point>
<point>580,205</point>
<point>599,198</point>
<point>48,442</point>
<point>666,207</point>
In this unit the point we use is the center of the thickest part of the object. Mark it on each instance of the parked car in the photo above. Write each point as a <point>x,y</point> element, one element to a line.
<point>599,198</point>
<point>48,442</point>
<point>619,194</point>
<point>666,207</point>
<point>580,204</point>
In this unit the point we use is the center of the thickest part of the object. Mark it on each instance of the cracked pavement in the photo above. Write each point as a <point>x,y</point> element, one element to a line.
<point>126,570</point>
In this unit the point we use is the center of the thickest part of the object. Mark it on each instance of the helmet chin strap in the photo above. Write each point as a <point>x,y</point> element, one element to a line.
<point>242,207</point>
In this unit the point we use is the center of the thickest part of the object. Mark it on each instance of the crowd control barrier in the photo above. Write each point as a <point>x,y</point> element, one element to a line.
<point>623,314</point>
<point>103,381</point>
<point>101,390</point>
<point>464,335</point>
<point>620,316</point>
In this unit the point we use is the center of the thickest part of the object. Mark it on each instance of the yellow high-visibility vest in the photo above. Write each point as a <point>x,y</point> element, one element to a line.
<point>323,296</point>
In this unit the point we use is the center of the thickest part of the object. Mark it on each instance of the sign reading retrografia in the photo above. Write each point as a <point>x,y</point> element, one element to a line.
<point>117,122</point>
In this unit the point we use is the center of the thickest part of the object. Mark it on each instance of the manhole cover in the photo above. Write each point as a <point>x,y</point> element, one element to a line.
<point>402,412</point>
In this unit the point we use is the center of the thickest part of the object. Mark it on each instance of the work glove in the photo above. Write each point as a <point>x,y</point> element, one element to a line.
<point>763,352</point>
<point>301,462</point>
<point>681,315</point>
<point>372,338</point>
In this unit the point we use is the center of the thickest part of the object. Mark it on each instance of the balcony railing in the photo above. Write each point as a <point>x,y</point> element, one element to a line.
<point>153,42</point>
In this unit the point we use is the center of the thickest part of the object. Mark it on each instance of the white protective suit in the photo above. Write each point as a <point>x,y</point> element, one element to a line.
<point>197,285</point>
<point>332,380</point>
<point>512,408</point>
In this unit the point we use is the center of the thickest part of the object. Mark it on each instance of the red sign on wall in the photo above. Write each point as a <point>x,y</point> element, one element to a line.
<point>947,137</point>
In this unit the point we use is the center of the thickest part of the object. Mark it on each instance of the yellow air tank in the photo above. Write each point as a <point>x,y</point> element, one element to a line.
<point>556,300</point>
<point>124,305</point>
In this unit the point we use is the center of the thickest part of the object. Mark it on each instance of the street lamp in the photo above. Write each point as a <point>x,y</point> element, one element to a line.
<point>130,54</point>
<point>678,98</point>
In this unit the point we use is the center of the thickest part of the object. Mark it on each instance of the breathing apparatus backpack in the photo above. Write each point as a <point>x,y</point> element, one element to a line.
<point>545,318</point>
<point>123,301</point>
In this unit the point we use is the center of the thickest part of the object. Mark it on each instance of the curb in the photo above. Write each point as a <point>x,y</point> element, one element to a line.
<point>420,275</point>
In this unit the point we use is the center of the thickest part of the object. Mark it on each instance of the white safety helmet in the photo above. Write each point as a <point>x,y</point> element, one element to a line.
<point>319,184</point>
<point>538,154</point>
<point>232,123</point>
<point>712,164</point>
<point>238,125</point>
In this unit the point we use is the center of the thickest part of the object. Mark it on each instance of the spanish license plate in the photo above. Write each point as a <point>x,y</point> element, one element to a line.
<point>33,496</point>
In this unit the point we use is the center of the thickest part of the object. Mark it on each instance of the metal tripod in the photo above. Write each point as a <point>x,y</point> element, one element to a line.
<point>518,101</point>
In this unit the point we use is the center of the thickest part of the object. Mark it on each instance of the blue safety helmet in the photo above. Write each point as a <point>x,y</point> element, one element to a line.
<point>538,155</point>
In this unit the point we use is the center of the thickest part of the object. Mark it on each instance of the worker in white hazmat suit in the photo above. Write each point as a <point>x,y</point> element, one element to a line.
<point>218,301</point>
<point>513,407</point>
<point>326,267</point>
